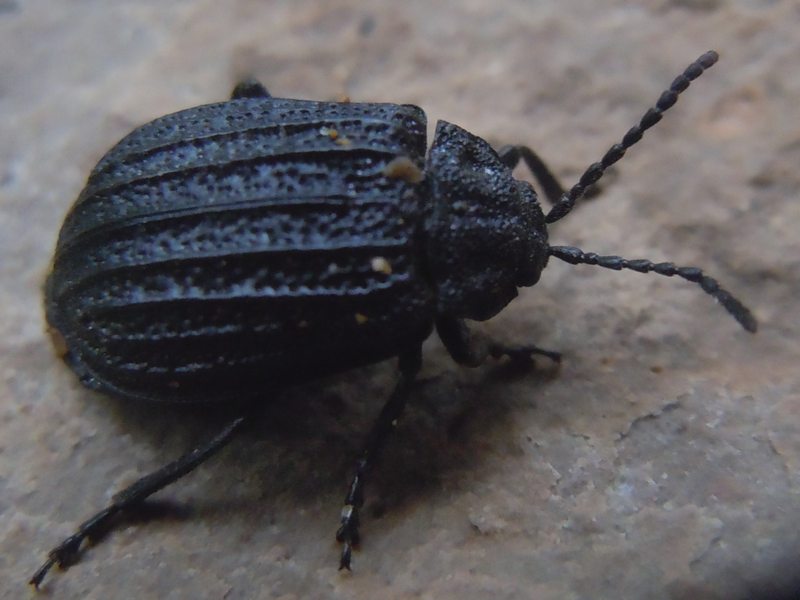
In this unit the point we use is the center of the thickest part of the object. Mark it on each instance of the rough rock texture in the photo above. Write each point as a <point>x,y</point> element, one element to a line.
<point>660,461</point>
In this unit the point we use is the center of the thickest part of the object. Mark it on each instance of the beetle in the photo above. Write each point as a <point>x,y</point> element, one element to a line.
<point>223,250</point>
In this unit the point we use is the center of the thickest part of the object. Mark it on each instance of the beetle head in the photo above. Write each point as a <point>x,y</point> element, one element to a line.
<point>486,234</point>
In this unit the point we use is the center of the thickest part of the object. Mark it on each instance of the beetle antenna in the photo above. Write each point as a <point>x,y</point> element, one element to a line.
<point>710,285</point>
<point>595,171</point>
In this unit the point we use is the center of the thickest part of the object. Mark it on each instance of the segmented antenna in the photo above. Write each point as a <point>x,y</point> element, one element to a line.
<point>595,171</point>
<point>710,285</point>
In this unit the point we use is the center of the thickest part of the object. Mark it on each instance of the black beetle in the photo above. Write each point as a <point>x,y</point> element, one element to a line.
<point>225,249</point>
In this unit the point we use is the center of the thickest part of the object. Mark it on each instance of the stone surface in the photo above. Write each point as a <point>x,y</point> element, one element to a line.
<point>660,461</point>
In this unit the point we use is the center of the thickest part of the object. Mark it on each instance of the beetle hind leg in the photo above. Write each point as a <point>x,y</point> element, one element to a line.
<point>66,553</point>
<point>348,533</point>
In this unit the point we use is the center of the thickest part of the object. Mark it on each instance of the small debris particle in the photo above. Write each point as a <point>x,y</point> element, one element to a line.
<point>330,132</point>
<point>403,167</point>
<point>361,318</point>
<point>380,265</point>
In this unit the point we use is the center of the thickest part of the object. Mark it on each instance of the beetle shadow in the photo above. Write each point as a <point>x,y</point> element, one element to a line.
<point>300,447</point>
<point>452,424</point>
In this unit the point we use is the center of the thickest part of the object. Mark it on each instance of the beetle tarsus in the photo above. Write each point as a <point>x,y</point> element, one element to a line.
<point>347,555</point>
<point>41,572</point>
<point>523,353</point>
<point>347,533</point>
<point>471,349</point>
<point>67,551</point>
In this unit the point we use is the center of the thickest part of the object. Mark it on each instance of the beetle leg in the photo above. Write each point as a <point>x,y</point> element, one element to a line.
<point>66,552</point>
<point>552,188</point>
<point>249,88</point>
<point>410,364</point>
<point>472,349</point>
<point>511,155</point>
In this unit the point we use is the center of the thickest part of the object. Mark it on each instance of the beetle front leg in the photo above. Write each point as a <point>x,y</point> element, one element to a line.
<point>552,188</point>
<point>511,155</point>
<point>67,551</point>
<point>471,349</point>
<point>347,534</point>
<point>249,88</point>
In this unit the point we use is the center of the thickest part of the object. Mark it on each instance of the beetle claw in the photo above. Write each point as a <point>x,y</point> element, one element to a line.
<point>347,554</point>
<point>348,535</point>
<point>524,353</point>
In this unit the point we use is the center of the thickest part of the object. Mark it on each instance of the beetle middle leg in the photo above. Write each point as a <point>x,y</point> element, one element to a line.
<point>472,349</point>
<point>67,551</point>
<point>410,364</point>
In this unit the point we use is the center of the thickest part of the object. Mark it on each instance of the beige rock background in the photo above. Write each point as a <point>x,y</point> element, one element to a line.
<point>661,460</point>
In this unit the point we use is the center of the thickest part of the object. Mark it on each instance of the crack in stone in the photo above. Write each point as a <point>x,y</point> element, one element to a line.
<point>782,459</point>
<point>668,407</point>
<point>712,543</point>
